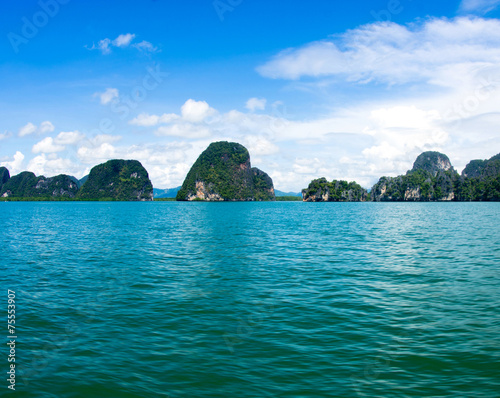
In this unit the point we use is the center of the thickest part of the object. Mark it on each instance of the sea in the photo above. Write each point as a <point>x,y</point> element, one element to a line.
<point>284,299</point>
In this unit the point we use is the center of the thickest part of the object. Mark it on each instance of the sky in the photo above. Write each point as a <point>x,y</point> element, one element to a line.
<point>342,90</point>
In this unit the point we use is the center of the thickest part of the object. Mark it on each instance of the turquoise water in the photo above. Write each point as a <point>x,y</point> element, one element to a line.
<point>253,299</point>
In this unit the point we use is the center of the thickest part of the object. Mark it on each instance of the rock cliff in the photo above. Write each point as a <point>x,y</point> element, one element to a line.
<point>223,172</point>
<point>4,176</point>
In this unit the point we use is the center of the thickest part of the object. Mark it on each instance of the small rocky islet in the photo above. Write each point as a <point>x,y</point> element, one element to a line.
<point>223,172</point>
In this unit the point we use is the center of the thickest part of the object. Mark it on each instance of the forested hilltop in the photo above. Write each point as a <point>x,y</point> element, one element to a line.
<point>223,172</point>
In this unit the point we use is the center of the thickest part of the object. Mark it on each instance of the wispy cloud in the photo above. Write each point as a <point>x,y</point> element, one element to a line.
<point>438,52</point>
<point>5,135</point>
<point>479,7</point>
<point>145,46</point>
<point>254,104</point>
<point>122,41</point>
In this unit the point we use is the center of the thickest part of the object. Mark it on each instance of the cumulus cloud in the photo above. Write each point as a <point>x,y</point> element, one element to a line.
<point>196,111</point>
<point>69,137</point>
<point>30,128</point>
<point>437,51</point>
<point>47,145</point>
<point>108,96</point>
<point>51,165</point>
<point>254,104</point>
<point>480,7</point>
<point>15,166</point>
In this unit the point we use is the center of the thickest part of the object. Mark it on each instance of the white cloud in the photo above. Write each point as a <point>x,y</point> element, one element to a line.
<point>478,6</point>
<point>46,127</point>
<point>69,138</point>
<point>104,45</point>
<point>108,96</point>
<point>196,111</point>
<point>145,46</point>
<point>28,129</point>
<point>51,165</point>
<point>147,120</point>
<point>123,40</point>
<point>96,154</point>
<point>184,130</point>
<point>254,104</point>
<point>437,51</point>
<point>15,166</point>
<point>259,145</point>
<point>5,135</point>
<point>47,145</point>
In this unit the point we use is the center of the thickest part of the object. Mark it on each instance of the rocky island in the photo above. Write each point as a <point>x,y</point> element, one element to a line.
<point>321,190</point>
<point>432,178</point>
<point>27,185</point>
<point>223,172</point>
<point>125,180</point>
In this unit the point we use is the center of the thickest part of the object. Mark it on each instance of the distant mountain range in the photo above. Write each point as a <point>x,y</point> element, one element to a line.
<point>165,193</point>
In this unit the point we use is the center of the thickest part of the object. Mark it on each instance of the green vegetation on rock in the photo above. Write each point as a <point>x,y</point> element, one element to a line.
<point>125,180</point>
<point>480,181</point>
<point>432,178</point>
<point>28,185</point>
<point>321,190</point>
<point>223,173</point>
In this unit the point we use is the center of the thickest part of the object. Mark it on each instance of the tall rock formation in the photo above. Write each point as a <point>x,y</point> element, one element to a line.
<point>432,178</point>
<point>223,172</point>
<point>4,176</point>
<point>124,180</point>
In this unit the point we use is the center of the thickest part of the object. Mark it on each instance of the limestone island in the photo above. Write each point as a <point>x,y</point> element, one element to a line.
<point>223,172</point>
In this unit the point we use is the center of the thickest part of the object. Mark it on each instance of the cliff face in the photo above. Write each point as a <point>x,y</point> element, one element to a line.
<point>432,178</point>
<point>321,190</point>
<point>432,162</point>
<point>27,185</point>
<point>4,176</point>
<point>223,173</point>
<point>125,180</point>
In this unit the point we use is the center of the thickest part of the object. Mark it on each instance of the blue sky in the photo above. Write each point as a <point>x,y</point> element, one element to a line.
<point>344,90</point>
